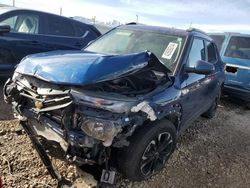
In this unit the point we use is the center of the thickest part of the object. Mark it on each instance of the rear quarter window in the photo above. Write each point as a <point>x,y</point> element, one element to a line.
<point>238,47</point>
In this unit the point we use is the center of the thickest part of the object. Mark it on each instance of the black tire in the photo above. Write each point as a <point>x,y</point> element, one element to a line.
<point>132,160</point>
<point>210,113</point>
<point>248,105</point>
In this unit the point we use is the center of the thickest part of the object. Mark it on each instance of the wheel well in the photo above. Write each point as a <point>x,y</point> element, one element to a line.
<point>175,120</point>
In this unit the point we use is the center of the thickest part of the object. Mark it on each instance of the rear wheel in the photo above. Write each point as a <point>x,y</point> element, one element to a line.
<point>150,147</point>
<point>210,113</point>
<point>248,105</point>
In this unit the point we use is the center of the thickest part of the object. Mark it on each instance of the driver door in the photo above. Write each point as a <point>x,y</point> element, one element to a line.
<point>193,86</point>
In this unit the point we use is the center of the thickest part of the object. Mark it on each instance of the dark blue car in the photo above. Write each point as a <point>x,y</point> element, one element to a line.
<point>235,52</point>
<point>24,32</point>
<point>123,101</point>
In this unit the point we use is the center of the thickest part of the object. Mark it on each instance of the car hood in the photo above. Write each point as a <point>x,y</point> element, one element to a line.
<point>83,68</point>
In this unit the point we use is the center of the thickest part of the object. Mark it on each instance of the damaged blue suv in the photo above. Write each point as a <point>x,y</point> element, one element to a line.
<point>122,101</point>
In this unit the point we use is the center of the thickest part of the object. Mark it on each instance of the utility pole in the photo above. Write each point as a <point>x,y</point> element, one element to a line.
<point>61,11</point>
<point>137,18</point>
<point>13,3</point>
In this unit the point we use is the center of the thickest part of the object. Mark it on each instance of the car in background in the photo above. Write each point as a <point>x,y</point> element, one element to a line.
<point>24,32</point>
<point>128,95</point>
<point>235,53</point>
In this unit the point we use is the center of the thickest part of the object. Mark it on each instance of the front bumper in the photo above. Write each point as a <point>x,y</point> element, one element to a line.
<point>238,92</point>
<point>51,131</point>
<point>85,127</point>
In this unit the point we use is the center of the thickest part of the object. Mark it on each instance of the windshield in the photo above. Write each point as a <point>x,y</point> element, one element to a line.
<point>123,41</point>
<point>218,39</point>
<point>238,47</point>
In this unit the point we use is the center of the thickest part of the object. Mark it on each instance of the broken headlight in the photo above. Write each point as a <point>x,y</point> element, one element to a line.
<point>100,129</point>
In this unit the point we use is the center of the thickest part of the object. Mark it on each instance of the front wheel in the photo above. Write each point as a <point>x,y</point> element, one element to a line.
<point>150,147</point>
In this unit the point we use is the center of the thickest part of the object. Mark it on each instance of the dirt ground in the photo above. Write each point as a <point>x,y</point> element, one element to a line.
<point>211,153</point>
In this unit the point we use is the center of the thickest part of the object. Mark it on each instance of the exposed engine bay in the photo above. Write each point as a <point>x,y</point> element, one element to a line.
<point>137,84</point>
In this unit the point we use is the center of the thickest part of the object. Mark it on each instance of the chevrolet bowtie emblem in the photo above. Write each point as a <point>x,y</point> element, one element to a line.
<point>38,104</point>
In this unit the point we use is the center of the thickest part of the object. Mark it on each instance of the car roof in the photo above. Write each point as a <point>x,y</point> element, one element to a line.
<point>14,9</point>
<point>158,29</point>
<point>167,30</point>
<point>5,9</point>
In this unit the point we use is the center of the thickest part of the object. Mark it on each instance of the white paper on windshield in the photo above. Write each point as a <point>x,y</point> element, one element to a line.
<point>169,51</point>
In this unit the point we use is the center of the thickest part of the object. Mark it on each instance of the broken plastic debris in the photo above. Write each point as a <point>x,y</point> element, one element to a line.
<point>145,107</point>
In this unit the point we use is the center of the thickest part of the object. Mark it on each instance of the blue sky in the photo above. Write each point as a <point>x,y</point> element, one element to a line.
<point>209,15</point>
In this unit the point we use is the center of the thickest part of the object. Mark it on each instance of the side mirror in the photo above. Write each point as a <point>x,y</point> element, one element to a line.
<point>201,67</point>
<point>4,29</point>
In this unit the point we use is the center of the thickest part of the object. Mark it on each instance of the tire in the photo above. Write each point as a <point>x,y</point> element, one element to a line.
<point>134,161</point>
<point>248,105</point>
<point>210,113</point>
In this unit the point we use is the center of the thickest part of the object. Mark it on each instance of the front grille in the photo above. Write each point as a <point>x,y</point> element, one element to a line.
<point>43,97</point>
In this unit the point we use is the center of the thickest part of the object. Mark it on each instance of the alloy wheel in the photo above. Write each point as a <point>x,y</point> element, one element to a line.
<point>156,154</point>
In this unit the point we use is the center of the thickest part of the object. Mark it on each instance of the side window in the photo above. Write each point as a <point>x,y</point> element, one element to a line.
<point>23,23</point>
<point>60,27</point>
<point>197,52</point>
<point>10,21</point>
<point>211,52</point>
<point>238,47</point>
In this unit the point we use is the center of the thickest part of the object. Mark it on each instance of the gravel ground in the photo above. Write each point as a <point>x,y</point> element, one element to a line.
<point>211,153</point>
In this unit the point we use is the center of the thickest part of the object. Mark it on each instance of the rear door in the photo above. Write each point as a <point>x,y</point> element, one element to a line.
<point>213,81</point>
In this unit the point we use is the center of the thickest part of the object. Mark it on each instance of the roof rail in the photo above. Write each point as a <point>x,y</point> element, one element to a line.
<point>131,23</point>
<point>196,30</point>
<point>232,33</point>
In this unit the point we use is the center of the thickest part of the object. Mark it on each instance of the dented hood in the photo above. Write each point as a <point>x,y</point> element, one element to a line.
<point>83,68</point>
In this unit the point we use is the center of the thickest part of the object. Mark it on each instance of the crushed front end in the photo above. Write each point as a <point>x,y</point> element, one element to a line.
<point>87,121</point>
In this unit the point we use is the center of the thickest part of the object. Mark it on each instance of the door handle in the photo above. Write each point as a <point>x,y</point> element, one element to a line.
<point>34,42</point>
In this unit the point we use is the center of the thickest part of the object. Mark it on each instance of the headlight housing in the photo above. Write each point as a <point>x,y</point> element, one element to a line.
<point>103,130</point>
